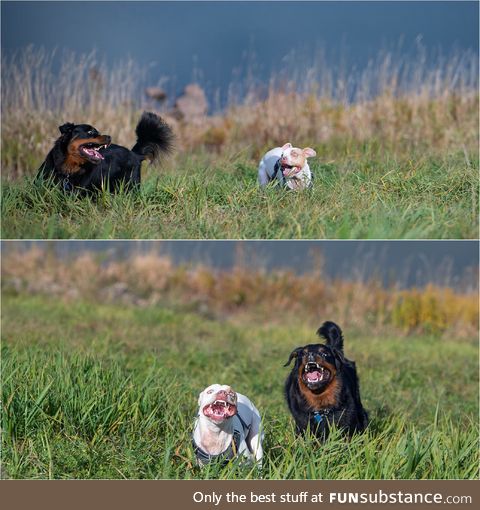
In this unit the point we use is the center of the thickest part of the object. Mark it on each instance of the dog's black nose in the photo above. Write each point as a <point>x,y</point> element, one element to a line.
<point>311,357</point>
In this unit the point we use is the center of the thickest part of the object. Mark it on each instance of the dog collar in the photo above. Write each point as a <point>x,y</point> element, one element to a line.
<point>318,416</point>
<point>66,184</point>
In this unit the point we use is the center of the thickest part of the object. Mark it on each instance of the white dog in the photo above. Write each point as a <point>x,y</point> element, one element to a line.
<point>228,425</point>
<point>288,165</point>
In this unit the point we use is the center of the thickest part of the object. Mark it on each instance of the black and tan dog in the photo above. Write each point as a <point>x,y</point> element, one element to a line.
<point>83,160</point>
<point>323,387</point>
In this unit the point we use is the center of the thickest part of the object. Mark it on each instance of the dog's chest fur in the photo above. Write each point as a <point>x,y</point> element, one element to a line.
<point>213,441</point>
<point>327,399</point>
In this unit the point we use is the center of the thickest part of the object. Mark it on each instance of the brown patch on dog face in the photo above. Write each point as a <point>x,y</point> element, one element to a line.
<point>75,159</point>
<point>326,395</point>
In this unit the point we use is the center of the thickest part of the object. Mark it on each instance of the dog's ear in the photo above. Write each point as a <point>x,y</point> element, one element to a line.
<point>293,354</point>
<point>332,334</point>
<point>288,145</point>
<point>308,152</point>
<point>66,128</point>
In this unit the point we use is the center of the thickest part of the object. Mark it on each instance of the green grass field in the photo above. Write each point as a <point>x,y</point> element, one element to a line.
<point>93,390</point>
<point>364,194</point>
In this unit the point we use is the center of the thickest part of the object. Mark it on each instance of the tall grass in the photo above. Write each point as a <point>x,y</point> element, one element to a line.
<point>96,390</point>
<point>145,280</point>
<point>42,90</point>
<point>399,104</point>
<point>365,194</point>
<point>397,147</point>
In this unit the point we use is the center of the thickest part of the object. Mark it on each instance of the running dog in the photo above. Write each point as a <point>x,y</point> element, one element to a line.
<point>288,165</point>
<point>83,160</point>
<point>228,425</point>
<point>323,389</point>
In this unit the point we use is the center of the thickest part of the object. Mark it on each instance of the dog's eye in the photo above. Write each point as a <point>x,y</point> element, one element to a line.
<point>92,132</point>
<point>323,354</point>
<point>210,391</point>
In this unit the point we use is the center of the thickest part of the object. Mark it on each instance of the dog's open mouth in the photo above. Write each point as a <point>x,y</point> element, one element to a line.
<point>289,170</point>
<point>92,150</point>
<point>314,373</point>
<point>220,410</point>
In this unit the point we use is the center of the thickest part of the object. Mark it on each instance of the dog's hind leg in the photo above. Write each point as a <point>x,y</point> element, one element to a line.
<point>263,177</point>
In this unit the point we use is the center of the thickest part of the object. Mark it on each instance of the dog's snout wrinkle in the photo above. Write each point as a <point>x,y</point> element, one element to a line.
<point>226,396</point>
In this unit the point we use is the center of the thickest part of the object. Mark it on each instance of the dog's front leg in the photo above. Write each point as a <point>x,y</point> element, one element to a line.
<point>255,438</point>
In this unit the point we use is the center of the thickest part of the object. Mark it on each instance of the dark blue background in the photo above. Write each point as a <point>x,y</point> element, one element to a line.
<point>210,40</point>
<point>404,263</point>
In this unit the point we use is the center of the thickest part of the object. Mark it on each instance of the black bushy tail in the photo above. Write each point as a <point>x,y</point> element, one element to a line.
<point>332,334</point>
<point>154,137</point>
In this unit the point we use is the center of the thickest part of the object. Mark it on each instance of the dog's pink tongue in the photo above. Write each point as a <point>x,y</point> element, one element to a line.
<point>291,171</point>
<point>313,376</point>
<point>94,153</point>
<point>97,154</point>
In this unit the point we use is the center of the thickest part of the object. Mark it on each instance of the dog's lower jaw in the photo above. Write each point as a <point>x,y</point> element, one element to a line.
<point>316,389</point>
<point>299,181</point>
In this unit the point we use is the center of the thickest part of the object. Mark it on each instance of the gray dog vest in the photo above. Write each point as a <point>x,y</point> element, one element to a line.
<point>233,448</point>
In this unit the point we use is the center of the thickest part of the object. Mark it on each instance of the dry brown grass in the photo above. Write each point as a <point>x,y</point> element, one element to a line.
<point>153,280</point>
<point>400,106</point>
